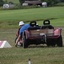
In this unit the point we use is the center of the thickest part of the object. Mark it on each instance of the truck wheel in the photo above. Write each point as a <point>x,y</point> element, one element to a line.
<point>59,42</point>
<point>15,39</point>
<point>25,45</point>
<point>50,42</point>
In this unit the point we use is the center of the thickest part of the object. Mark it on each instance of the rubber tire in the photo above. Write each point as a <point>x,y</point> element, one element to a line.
<point>50,42</point>
<point>59,42</point>
<point>16,39</point>
<point>25,45</point>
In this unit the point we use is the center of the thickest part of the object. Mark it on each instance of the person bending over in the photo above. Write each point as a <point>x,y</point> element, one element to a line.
<point>22,29</point>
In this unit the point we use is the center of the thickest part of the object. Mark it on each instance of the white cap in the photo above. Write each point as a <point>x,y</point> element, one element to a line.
<point>21,23</point>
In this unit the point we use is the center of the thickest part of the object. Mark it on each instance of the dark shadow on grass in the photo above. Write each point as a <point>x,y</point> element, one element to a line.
<point>43,46</point>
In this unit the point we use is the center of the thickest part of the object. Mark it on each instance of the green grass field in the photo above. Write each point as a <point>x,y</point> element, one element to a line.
<point>38,54</point>
<point>10,18</point>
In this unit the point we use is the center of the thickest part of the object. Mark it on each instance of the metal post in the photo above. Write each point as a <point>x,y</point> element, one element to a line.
<point>29,61</point>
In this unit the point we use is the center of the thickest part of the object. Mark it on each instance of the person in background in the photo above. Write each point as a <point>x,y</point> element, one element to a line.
<point>23,27</point>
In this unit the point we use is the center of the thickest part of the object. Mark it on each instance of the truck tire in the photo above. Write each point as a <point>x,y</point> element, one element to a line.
<point>15,39</point>
<point>59,42</point>
<point>25,44</point>
<point>50,42</point>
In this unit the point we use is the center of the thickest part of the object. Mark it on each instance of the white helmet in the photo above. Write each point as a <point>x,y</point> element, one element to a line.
<point>21,23</point>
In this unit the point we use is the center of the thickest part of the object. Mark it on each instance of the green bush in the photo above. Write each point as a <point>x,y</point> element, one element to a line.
<point>22,7</point>
<point>50,2</point>
<point>1,2</point>
<point>21,1</point>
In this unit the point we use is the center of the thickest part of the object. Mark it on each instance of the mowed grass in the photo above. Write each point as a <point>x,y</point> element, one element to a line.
<point>32,14</point>
<point>42,55</point>
<point>38,54</point>
<point>10,18</point>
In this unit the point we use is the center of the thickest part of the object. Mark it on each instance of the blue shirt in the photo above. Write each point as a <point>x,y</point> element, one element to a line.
<point>24,27</point>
